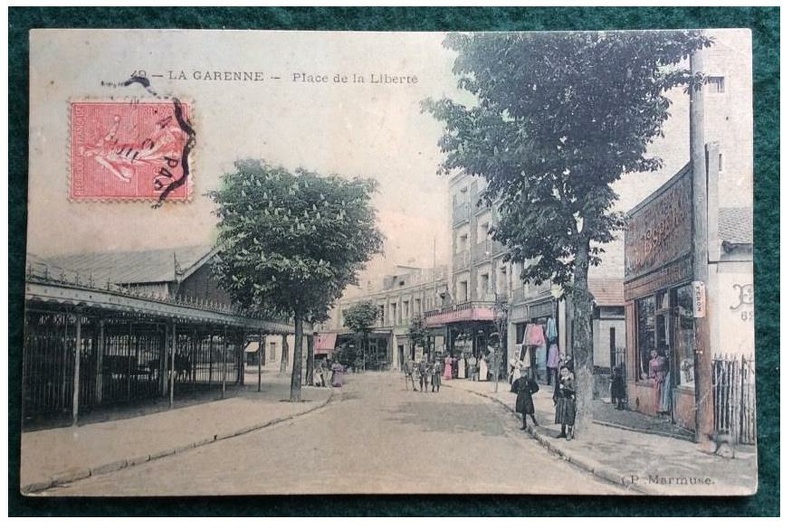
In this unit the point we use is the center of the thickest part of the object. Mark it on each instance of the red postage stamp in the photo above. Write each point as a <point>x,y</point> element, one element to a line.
<point>130,150</point>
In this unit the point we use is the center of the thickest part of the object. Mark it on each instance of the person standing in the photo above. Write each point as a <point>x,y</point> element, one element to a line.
<point>409,370</point>
<point>436,367</point>
<point>472,368</point>
<point>483,369</point>
<point>618,391</point>
<point>449,364</point>
<point>337,380</point>
<point>423,375</point>
<point>564,399</point>
<point>525,387</point>
<point>658,372</point>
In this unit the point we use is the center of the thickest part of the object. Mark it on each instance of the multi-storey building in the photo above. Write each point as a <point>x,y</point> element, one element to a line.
<point>688,262</point>
<point>406,294</point>
<point>482,288</point>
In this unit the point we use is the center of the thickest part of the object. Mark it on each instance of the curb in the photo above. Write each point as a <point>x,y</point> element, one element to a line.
<point>678,437</point>
<point>114,466</point>
<point>589,465</point>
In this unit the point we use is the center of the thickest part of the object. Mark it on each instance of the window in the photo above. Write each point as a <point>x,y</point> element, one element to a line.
<point>721,166</point>
<point>393,313</point>
<point>463,291</point>
<point>417,309</point>
<point>683,353</point>
<point>483,230</point>
<point>272,351</point>
<point>716,84</point>
<point>502,281</point>
<point>382,315</point>
<point>484,285</point>
<point>463,242</point>
<point>645,335</point>
<point>405,311</point>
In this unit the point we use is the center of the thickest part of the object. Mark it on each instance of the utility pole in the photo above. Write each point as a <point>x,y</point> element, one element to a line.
<point>703,355</point>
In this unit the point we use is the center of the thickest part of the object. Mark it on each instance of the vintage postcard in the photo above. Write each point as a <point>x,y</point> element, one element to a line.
<point>270,262</point>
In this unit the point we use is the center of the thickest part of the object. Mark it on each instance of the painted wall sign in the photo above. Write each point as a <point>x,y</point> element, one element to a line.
<point>661,230</point>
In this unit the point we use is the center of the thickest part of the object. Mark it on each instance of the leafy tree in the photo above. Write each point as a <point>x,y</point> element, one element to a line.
<point>292,241</point>
<point>557,119</point>
<point>419,335</point>
<point>360,319</point>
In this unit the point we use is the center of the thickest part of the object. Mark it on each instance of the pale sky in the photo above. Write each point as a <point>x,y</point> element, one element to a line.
<point>353,129</point>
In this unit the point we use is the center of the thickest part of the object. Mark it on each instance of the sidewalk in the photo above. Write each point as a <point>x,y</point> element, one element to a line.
<point>645,463</point>
<point>628,454</point>
<point>60,455</point>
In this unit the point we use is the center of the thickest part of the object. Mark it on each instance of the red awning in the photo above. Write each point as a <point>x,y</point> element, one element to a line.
<point>325,342</point>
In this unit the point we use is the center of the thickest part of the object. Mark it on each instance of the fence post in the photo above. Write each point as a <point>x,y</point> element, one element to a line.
<point>100,350</point>
<point>260,353</point>
<point>76,392</point>
<point>172,365</point>
<point>225,362</point>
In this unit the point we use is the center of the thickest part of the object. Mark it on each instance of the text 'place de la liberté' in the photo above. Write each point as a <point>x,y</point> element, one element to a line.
<point>296,77</point>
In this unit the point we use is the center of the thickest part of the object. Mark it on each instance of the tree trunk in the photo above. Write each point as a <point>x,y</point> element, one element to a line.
<point>582,344</point>
<point>296,379</point>
<point>365,349</point>
<point>284,353</point>
<point>309,367</point>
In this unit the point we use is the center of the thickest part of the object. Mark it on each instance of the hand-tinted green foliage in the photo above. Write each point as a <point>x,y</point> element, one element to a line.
<point>292,241</point>
<point>558,118</point>
<point>418,332</point>
<point>361,317</point>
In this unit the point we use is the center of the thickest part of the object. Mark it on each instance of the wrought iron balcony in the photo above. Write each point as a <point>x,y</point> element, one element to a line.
<point>472,310</point>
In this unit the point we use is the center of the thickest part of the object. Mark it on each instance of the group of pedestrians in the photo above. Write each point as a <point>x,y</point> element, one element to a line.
<point>427,373</point>
<point>525,387</point>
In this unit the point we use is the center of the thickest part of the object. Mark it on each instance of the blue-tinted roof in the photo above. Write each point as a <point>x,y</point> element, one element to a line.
<point>146,266</point>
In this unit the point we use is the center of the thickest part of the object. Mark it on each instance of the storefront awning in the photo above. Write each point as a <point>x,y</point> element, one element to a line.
<point>325,342</point>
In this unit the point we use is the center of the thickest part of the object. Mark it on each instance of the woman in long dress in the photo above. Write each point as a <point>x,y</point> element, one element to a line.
<point>337,379</point>
<point>448,366</point>
<point>658,373</point>
<point>483,369</point>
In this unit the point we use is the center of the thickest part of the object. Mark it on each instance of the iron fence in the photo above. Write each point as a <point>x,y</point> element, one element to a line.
<point>734,394</point>
<point>121,361</point>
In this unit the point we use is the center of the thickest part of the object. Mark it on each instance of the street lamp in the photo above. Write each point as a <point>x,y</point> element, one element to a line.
<point>501,320</point>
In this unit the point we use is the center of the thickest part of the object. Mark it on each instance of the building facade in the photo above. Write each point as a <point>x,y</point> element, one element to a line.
<point>688,262</point>
<point>401,297</point>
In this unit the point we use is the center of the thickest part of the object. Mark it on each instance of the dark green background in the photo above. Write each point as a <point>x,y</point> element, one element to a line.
<point>765,23</point>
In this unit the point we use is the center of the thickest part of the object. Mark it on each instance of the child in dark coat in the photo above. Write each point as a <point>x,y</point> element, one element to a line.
<point>525,387</point>
<point>618,391</point>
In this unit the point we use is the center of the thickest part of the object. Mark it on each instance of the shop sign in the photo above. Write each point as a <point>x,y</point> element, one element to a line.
<point>699,299</point>
<point>660,231</point>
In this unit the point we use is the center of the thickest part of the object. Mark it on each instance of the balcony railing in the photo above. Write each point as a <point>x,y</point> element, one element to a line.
<point>463,306</point>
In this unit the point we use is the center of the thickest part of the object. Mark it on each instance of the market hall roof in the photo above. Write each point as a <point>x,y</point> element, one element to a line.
<point>132,267</point>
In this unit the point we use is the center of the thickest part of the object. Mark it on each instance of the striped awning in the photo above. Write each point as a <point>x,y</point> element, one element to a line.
<point>325,342</point>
